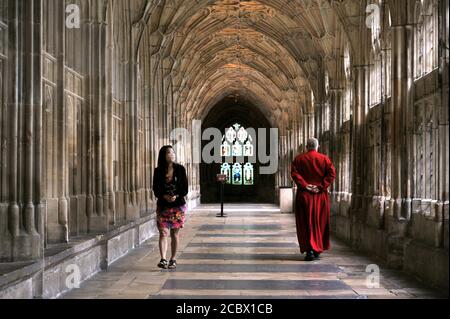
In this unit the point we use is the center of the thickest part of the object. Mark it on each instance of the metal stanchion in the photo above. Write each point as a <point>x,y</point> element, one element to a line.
<point>222,180</point>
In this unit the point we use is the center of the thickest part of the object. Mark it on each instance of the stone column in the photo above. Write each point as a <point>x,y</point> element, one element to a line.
<point>308,127</point>
<point>283,158</point>
<point>318,127</point>
<point>133,138</point>
<point>132,132</point>
<point>289,158</point>
<point>31,102</point>
<point>5,238</point>
<point>358,122</point>
<point>109,178</point>
<point>443,187</point>
<point>106,126</point>
<point>96,203</point>
<point>61,232</point>
<point>38,197</point>
<point>336,136</point>
<point>13,118</point>
<point>23,242</point>
<point>401,109</point>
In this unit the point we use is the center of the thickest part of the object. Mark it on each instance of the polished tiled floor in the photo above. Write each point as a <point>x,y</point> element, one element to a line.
<point>253,253</point>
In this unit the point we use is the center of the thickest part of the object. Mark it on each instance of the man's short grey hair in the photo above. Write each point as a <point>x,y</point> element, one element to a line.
<point>312,144</point>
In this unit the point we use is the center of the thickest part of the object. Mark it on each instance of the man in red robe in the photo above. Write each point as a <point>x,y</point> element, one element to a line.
<point>313,173</point>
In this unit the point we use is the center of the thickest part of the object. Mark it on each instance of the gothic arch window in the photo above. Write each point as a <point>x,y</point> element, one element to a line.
<point>418,40</point>
<point>348,86</point>
<point>375,78</point>
<point>348,96</point>
<point>375,28</point>
<point>347,62</point>
<point>326,106</point>
<point>430,29</point>
<point>73,40</point>
<point>326,117</point>
<point>388,53</point>
<point>237,142</point>
<point>380,63</point>
<point>375,68</point>
<point>425,37</point>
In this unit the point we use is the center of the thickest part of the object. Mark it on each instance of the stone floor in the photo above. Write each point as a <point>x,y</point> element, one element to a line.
<point>253,253</point>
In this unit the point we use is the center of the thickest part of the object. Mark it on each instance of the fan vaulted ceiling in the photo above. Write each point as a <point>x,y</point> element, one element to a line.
<point>272,52</point>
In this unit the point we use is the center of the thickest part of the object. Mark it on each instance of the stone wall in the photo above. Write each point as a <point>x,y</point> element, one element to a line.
<point>397,204</point>
<point>89,256</point>
<point>80,138</point>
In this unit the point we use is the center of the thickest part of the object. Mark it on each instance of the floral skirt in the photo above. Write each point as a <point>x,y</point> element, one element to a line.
<point>171,217</point>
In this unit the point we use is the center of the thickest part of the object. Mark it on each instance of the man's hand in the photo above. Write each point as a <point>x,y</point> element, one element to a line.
<point>313,189</point>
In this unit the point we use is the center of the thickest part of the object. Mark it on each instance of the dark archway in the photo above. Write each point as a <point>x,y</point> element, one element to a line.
<point>224,114</point>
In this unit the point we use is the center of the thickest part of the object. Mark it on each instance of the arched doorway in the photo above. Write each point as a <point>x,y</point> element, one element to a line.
<point>224,115</point>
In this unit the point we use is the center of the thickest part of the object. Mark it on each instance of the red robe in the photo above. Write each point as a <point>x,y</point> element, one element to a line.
<point>313,210</point>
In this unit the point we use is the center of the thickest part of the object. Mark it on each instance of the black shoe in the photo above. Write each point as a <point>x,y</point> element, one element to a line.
<point>316,255</point>
<point>309,256</point>
<point>163,264</point>
<point>172,264</point>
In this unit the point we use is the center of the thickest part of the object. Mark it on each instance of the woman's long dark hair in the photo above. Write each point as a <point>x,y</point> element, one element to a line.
<point>162,162</point>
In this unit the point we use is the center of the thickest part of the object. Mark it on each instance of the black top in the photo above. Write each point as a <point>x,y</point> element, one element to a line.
<point>178,186</point>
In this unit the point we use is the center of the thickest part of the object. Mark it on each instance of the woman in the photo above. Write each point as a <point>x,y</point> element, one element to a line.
<point>170,186</point>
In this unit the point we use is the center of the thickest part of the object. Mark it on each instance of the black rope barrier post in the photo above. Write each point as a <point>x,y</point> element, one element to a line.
<point>222,180</point>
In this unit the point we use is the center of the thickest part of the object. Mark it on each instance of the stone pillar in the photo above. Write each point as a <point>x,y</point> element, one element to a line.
<point>60,232</point>
<point>22,241</point>
<point>443,186</point>
<point>283,158</point>
<point>97,219</point>
<point>133,139</point>
<point>109,178</point>
<point>13,111</point>
<point>401,121</point>
<point>336,138</point>
<point>5,238</point>
<point>318,127</point>
<point>38,197</point>
<point>106,130</point>
<point>401,111</point>
<point>308,127</point>
<point>132,69</point>
<point>359,114</point>
<point>31,102</point>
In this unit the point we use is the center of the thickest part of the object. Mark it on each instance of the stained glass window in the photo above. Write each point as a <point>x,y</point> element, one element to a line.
<point>248,149</point>
<point>248,174</point>
<point>226,170</point>
<point>226,149</point>
<point>425,35</point>
<point>237,142</point>
<point>237,149</point>
<point>237,174</point>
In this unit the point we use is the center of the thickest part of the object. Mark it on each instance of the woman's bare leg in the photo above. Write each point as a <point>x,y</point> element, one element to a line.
<point>175,235</point>
<point>163,235</point>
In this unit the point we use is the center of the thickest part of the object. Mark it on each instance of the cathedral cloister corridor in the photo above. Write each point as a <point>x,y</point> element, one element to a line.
<point>92,90</point>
